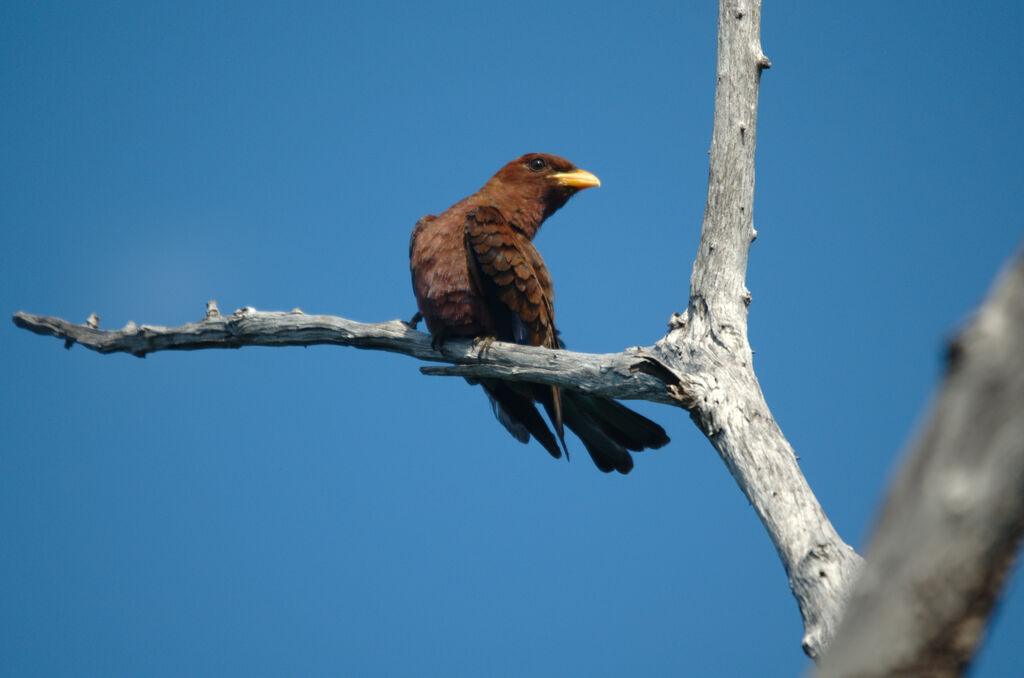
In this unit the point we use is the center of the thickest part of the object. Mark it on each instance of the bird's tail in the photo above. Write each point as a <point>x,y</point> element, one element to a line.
<point>513,406</point>
<point>609,430</point>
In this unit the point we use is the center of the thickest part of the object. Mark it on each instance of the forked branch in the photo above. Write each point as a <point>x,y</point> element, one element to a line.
<point>704,364</point>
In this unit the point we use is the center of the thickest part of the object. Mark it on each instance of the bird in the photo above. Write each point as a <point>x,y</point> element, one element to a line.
<point>476,274</point>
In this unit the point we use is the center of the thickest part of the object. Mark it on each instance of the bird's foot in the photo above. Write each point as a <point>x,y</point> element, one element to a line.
<point>414,321</point>
<point>483,345</point>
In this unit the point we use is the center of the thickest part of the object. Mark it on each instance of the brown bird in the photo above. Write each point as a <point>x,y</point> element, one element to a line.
<point>476,273</point>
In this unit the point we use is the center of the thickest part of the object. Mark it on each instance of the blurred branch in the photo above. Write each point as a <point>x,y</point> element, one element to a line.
<point>630,374</point>
<point>948,531</point>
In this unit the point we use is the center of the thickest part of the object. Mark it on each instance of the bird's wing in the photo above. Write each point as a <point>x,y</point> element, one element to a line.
<point>512,277</point>
<point>510,274</point>
<point>417,229</point>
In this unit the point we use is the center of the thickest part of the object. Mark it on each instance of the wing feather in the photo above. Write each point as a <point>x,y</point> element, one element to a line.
<point>517,286</point>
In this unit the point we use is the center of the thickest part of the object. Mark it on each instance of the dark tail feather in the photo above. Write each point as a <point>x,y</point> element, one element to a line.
<point>555,414</point>
<point>608,429</point>
<point>626,427</point>
<point>514,408</point>
<point>551,398</point>
<point>607,454</point>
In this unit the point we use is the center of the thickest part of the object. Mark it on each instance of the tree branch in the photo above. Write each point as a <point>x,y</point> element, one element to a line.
<point>948,531</point>
<point>627,375</point>
<point>708,344</point>
<point>704,364</point>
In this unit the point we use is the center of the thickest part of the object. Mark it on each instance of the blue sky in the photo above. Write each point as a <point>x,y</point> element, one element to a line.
<point>328,511</point>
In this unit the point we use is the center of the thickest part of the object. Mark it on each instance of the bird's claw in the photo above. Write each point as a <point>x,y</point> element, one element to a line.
<point>412,322</point>
<point>483,345</point>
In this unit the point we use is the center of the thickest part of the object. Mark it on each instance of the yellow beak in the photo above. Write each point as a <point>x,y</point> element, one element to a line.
<point>577,179</point>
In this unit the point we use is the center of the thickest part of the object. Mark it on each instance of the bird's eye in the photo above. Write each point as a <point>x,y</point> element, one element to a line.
<point>537,164</point>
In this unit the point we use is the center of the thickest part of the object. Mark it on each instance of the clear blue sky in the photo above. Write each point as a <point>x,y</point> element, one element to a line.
<point>325,511</point>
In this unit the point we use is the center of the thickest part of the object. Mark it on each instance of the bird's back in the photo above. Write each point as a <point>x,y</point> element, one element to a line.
<point>441,277</point>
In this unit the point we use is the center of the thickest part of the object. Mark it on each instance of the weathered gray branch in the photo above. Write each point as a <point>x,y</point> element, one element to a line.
<point>948,531</point>
<point>708,347</point>
<point>703,364</point>
<point>614,375</point>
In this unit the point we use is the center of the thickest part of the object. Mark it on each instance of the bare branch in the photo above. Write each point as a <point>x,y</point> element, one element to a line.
<point>630,374</point>
<point>708,346</point>
<point>949,529</point>
<point>704,364</point>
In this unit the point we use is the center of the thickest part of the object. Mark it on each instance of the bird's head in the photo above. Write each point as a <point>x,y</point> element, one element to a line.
<point>540,181</point>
